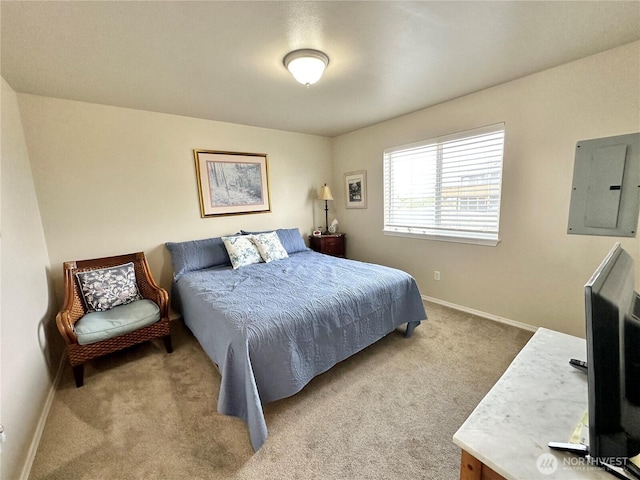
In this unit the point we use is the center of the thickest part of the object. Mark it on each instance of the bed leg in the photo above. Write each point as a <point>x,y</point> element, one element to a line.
<point>411,326</point>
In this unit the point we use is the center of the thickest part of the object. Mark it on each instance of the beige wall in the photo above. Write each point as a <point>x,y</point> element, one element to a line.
<point>537,272</point>
<point>27,313</point>
<point>113,180</point>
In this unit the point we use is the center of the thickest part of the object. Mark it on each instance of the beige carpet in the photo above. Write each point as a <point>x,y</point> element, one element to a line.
<point>388,412</point>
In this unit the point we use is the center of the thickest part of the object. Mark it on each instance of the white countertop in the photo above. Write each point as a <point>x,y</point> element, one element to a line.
<point>540,398</point>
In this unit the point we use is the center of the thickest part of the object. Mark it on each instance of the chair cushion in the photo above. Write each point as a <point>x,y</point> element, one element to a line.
<point>97,326</point>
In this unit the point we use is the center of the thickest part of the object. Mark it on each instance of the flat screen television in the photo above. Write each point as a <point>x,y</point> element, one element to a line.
<point>612,310</point>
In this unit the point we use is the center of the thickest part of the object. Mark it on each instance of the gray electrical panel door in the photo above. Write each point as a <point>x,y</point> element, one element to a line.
<point>606,187</point>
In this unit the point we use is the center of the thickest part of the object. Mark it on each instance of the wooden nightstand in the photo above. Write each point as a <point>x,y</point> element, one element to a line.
<point>334,244</point>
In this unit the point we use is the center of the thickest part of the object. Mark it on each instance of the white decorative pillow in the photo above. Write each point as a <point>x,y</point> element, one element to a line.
<point>242,251</point>
<point>106,288</point>
<point>269,246</point>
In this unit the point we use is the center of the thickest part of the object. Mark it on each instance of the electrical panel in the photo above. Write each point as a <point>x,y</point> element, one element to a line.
<point>605,196</point>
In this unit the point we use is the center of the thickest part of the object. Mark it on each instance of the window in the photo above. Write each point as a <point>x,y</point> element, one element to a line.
<point>446,188</point>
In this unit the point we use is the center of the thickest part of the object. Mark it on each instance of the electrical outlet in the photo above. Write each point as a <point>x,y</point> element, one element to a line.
<point>436,275</point>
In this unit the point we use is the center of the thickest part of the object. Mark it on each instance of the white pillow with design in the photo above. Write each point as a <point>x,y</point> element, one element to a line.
<point>242,251</point>
<point>106,288</point>
<point>269,246</point>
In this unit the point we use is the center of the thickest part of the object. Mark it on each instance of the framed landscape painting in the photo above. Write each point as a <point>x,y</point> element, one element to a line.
<point>355,189</point>
<point>231,183</point>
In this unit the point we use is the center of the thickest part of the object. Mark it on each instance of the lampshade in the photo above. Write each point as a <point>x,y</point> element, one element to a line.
<point>306,65</point>
<point>325,193</point>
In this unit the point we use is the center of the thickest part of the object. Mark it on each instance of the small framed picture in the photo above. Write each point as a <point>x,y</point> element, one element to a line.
<point>355,189</point>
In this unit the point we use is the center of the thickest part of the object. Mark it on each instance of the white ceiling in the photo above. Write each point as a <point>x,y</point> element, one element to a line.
<point>223,60</point>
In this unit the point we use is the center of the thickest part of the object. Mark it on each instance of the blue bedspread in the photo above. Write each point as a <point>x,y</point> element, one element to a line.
<point>272,327</point>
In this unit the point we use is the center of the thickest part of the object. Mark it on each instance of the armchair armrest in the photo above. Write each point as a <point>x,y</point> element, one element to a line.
<point>148,286</point>
<point>73,308</point>
<point>66,327</point>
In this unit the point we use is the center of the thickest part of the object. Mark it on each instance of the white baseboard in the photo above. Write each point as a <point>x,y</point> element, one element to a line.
<point>478,313</point>
<point>35,441</point>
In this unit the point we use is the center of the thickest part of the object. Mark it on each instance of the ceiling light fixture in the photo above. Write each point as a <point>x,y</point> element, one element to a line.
<point>306,65</point>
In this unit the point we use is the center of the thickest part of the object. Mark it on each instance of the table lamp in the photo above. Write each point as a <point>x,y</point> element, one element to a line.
<point>325,194</point>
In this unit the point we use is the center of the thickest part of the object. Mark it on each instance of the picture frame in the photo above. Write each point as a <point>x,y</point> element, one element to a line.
<point>232,183</point>
<point>355,189</point>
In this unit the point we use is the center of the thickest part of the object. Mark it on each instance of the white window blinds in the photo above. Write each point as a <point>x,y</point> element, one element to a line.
<point>447,188</point>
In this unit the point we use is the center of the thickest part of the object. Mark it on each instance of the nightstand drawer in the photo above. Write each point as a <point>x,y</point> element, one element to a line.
<point>329,244</point>
<point>333,248</point>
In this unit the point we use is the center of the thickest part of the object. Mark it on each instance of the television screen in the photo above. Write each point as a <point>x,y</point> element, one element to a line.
<point>613,357</point>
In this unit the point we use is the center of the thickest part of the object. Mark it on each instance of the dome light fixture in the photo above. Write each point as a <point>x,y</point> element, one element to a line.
<point>306,65</point>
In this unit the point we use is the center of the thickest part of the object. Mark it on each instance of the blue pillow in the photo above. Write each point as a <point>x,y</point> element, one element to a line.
<point>197,255</point>
<point>289,237</point>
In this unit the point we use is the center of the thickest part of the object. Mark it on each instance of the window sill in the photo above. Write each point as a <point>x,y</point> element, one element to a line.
<point>488,242</point>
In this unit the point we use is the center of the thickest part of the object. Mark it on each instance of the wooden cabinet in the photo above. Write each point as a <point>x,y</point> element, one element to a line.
<point>329,244</point>
<point>473,469</point>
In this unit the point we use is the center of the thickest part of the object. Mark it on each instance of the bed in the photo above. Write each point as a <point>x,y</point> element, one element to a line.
<point>271,327</point>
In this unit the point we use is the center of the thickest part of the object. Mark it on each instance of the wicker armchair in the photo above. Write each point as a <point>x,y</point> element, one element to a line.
<point>74,309</point>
